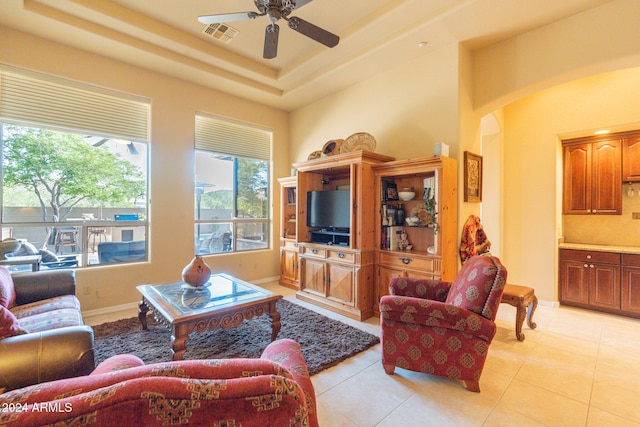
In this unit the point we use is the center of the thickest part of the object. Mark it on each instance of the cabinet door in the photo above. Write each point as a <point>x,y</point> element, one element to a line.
<point>288,265</point>
<point>630,300</point>
<point>340,283</point>
<point>631,159</point>
<point>574,282</point>
<point>606,178</point>
<point>604,289</point>
<point>312,276</point>
<point>576,179</point>
<point>383,278</point>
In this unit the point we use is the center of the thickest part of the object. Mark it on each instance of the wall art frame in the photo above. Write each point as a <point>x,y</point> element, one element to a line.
<point>472,177</point>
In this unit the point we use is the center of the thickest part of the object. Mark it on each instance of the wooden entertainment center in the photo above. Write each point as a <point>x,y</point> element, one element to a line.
<point>347,271</point>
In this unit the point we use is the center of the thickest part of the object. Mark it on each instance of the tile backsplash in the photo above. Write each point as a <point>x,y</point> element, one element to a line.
<point>618,230</point>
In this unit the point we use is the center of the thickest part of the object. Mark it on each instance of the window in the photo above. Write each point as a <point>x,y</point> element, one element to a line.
<point>231,186</point>
<point>74,172</point>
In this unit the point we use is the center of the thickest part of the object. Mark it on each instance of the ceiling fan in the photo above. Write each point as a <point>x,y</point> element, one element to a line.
<point>276,10</point>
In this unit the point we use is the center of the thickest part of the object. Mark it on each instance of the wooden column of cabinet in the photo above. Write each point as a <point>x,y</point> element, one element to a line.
<point>590,279</point>
<point>288,229</point>
<point>434,246</point>
<point>339,277</point>
<point>592,181</point>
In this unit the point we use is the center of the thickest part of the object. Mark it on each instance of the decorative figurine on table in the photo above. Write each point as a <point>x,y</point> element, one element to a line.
<point>403,243</point>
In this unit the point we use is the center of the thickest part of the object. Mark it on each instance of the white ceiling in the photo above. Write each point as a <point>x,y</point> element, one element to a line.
<point>375,35</point>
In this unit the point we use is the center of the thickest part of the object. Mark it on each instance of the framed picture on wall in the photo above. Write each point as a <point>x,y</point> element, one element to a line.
<point>472,177</point>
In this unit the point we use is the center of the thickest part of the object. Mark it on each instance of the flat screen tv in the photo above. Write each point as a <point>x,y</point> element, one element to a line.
<point>329,209</point>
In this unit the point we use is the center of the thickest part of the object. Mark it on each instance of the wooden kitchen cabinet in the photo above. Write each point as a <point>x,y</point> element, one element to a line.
<point>630,291</point>
<point>590,279</point>
<point>592,176</point>
<point>631,159</point>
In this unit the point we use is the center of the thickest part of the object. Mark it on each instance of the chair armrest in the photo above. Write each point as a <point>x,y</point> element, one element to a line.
<point>432,289</point>
<point>287,353</point>
<point>46,356</point>
<point>38,285</point>
<point>430,313</point>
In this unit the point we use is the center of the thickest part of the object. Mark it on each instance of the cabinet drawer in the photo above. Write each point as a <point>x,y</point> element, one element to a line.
<point>406,261</point>
<point>631,259</point>
<point>348,257</point>
<point>288,244</point>
<point>314,252</point>
<point>589,256</point>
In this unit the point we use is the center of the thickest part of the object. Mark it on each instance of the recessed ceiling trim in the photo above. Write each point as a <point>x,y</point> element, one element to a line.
<point>160,29</point>
<point>41,9</point>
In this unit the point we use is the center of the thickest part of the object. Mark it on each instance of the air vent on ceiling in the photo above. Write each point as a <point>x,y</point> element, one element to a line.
<point>221,32</point>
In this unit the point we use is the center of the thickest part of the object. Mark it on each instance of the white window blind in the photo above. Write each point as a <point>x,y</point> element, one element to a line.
<point>54,103</point>
<point>226,137</point>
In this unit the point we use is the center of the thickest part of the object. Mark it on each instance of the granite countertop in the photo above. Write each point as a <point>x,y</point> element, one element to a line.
<point>600,248</point>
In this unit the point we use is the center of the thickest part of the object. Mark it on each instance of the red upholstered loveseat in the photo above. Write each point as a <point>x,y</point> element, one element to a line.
<point>442,328</point>
<point>275,390</point>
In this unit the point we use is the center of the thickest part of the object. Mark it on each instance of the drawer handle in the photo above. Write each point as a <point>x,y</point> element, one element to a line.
<point>406,260</point>
<point>341,255</point>
<point>586,265</point>
<point>314,251</point>
<point>588,256</point>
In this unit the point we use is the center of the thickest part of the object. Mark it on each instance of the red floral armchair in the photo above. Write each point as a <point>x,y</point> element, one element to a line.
<point>275,390</point>
<point>443,328</point>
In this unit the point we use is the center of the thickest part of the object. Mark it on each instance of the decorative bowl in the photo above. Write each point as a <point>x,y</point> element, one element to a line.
<point>406,194</point>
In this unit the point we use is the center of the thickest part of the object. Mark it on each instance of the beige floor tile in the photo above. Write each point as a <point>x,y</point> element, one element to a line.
<point>503,416</point>
<point>571,381</point>
<point>369,397</point>
<point>439,408</point>
<point>333,376</point>
<point>619,372</point>
<point>616,400</point>
<point>599,418</point>
<point>544,406</point>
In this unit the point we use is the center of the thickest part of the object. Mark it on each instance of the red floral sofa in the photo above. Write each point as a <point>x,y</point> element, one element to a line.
<point>443,328</point>
<point>275,390</point>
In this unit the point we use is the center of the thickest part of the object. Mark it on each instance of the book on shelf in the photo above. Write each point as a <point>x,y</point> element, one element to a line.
<point>390,237</point>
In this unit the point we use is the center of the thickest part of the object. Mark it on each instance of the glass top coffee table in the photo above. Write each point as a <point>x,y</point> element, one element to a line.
<point>224,302</point>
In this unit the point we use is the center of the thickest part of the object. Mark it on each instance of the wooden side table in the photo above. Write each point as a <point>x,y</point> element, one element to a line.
<point>523,298</point>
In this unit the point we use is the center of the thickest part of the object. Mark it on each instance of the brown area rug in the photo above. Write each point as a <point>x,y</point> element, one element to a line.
<point>325,342</point>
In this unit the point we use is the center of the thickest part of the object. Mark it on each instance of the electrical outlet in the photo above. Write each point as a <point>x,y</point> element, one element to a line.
<point>635,215</point>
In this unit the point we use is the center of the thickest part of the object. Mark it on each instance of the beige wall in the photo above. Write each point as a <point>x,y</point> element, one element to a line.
<point>174,103</point>
<point>407,110</point>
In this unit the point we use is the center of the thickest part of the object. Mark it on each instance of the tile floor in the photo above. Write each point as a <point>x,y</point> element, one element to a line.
<point>578,368</point>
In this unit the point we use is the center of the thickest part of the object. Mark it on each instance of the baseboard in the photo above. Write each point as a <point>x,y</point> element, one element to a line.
<point>105,311</point>
<point>547,303</point>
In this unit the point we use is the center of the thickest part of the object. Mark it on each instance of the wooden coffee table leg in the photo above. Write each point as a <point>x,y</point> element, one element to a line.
<point>179,338</point>
<point>142,314</point>
<point>275,321</point>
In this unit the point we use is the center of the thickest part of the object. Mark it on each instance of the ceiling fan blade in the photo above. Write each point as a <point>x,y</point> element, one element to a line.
<point>300,3</point>
<point>314,32</point>
<point>271,41</point>
<point>226,17</point>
